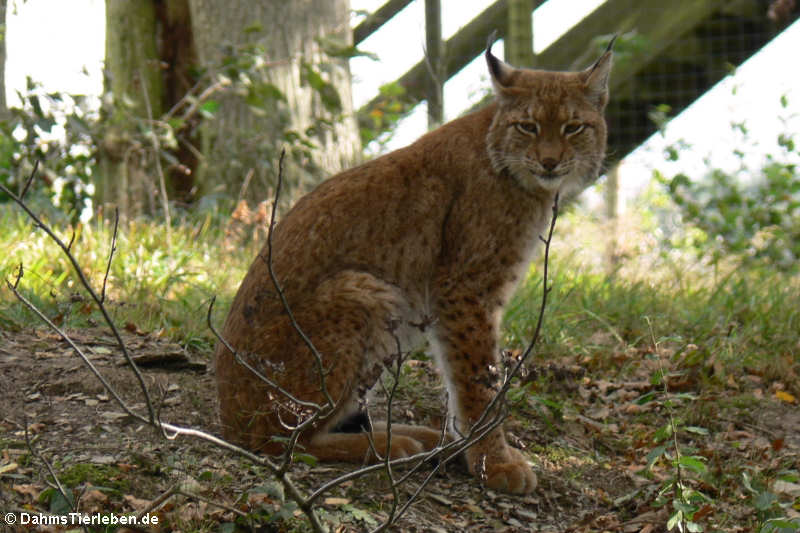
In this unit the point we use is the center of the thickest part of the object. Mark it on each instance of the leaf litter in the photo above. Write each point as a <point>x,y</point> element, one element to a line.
<point>588,433</point>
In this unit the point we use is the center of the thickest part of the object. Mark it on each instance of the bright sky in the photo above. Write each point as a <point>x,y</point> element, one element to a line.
<point>760,82</point>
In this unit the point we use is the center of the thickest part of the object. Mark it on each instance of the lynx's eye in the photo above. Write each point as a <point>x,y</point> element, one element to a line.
<point>571,128</point>
<point>529,128</point>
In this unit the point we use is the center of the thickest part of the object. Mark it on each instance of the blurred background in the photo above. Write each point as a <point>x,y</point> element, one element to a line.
<point>184,106</point>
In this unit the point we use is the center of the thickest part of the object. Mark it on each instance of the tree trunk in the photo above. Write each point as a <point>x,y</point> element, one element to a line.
<point>247,134</point>
<point>3,105</point>
<point>133,77</point>
<point>179,58</point>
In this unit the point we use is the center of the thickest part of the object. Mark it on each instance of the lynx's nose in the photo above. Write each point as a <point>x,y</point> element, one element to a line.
<point>549,163</point>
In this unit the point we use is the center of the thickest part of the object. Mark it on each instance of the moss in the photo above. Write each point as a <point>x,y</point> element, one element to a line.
<point>98,475</point>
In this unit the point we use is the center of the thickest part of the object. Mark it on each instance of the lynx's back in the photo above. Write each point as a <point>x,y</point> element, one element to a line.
<point>427,240</point>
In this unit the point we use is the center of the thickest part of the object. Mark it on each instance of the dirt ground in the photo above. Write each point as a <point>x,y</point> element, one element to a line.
<point>589,461</point>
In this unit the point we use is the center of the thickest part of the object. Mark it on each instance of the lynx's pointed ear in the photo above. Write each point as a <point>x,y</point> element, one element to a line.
<point>500,71</point>
<point>595,78</point>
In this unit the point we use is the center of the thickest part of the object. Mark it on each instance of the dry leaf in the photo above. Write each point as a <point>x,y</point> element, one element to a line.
<point>30,490</point>
<point>336,501</point>
<point>137,504</point>
<point>785,396</point>
<point>94,499</point>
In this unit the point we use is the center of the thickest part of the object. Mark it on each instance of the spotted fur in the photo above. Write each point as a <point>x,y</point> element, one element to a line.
<point>432,237</point>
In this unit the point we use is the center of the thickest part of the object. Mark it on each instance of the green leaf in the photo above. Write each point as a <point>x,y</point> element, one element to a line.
<point>763,501</point>
<point>208,108</point>
<point>359,514</point>
<point>663,433</point>
<point>674,520</point>
<point>654,455</point>
<point>693,463</point>
<point>306,458</point>
<point>256,27</point>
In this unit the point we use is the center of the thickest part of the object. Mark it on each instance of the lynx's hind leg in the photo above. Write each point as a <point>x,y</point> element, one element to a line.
<point>349,319</point>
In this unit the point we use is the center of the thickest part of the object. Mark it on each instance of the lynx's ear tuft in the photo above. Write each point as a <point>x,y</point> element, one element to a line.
<point>595,78</point>
<point>500,71</point>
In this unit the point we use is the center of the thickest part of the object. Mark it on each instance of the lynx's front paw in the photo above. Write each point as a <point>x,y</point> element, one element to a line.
<point>508,471</point>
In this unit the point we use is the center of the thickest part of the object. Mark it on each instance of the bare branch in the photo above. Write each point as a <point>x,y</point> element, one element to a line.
<point>49,467</point>
<point>85,282</point>
<point>110,254</point>
<point>317,356</point>
<point>251,368</point>
<point>30,179</point>
<point>500,396</point>
<point>20,272</point>
<point>157,156</point>
<point>169,431</point>
<point>125,407</point>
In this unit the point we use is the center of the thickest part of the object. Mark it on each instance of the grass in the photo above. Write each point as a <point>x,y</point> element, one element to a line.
<point>738,318</point>
<point>153,286</point>
<point>741,318</point>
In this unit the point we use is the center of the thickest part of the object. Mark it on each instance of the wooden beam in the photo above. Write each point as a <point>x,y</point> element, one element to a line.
<point>460,49</point>
<point>576,49</point>
<point>381,16</point>
<point>519,40</point>
<point>433,52</point>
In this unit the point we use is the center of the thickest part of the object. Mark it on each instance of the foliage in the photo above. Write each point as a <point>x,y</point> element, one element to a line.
<point>67,133</point>
<point>750,214</point>
<point>380,122</point>
<point>56,130</point>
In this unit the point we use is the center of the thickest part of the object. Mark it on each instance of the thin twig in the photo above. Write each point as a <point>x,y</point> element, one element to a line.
<point>317,356</point>
<point>110,254</point>
<point>679,470</point>
<point>398,361</point>
<point>480,428</point>
<point>155,504</point>
<point>249,367</point>
<point>30,179</point>
<point>125,407</point>
<point>52,472</point>
<point>156,146</point>
<point>209,501</point>
<point>500,396</point>
<point>85,282</point>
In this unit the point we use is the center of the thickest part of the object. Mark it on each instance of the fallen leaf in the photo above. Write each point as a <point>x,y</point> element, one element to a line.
<point>137,504</point>
<point>5,469</point>
<point>785,396</point>
<point>785,487</point>
<point>94,498</point>
<point>30,490</point>
<point>336,501</point>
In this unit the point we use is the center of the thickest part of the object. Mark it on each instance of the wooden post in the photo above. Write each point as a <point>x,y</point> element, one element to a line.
<point>433,51</point>
<point>519,40</point>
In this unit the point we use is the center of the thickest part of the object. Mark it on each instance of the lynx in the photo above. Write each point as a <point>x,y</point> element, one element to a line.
<point>432,237</point>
